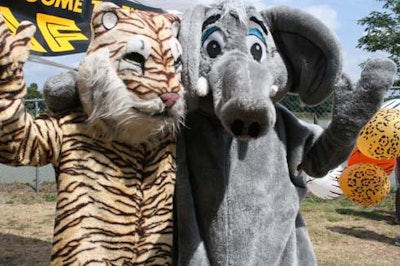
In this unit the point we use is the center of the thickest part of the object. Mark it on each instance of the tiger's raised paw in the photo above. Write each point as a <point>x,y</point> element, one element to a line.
<point>14,51</point>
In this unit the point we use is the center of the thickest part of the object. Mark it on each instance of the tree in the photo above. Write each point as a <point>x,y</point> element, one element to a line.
<point>34,93</point>
<point>382,30</point>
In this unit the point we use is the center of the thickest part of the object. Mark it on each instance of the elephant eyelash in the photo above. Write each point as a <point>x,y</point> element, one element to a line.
<point>258,34</point>
<point>208,32</point>
<point>210,20</point>
<point>260,23</point>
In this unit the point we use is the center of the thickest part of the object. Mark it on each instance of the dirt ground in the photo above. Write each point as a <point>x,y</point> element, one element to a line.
<point>26,224</point>
<point>346,234</point>
<point>342,236</point>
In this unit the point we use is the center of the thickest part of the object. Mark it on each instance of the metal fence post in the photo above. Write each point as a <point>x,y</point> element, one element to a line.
<point>37,168</point>
<point>37,110</point>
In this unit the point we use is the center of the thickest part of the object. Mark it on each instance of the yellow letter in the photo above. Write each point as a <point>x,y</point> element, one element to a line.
<point>58,32</point>
<point>65,4</point>
<point>12,23</point>
<point>95,3</point>
<point>126,7</point>
<point>48,2</point>
<point>78,6</point>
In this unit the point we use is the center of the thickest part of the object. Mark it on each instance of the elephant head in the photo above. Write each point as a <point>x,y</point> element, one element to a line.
<point>238,62</point>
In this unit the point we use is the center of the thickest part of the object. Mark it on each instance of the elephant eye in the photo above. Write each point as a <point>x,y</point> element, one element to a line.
<point>213,42</point>
<point>256,45</point>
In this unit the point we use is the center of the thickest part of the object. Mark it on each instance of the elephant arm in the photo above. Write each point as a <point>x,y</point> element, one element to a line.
<point>354,105</point>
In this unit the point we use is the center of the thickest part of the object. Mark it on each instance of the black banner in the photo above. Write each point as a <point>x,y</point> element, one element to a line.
<point>62,25</point>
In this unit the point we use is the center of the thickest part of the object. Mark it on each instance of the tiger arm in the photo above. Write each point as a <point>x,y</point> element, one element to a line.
<point>23,140</point>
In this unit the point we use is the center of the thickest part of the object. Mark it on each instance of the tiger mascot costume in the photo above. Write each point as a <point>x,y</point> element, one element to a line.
<point>115,158</point>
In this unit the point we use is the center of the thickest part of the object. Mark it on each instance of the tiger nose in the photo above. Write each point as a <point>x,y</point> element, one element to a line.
<point>169,99</point>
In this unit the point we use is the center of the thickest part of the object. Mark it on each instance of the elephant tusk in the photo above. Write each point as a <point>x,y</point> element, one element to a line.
<point>202,87</point>
<point>274,90</point>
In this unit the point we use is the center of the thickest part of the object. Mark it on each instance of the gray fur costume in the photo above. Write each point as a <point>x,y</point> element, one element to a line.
<point>240,155</point>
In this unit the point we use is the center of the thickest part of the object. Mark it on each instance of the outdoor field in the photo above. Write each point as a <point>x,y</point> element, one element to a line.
<point>342,233</point>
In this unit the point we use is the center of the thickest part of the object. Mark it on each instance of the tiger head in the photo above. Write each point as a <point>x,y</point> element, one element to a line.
<point>129,82</point>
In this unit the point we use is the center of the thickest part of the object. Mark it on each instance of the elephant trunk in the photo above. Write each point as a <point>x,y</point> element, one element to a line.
<point>242,91</point>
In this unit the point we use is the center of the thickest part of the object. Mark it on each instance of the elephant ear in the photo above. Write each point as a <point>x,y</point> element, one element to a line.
<point>311,51</point>
<point>189,37</point>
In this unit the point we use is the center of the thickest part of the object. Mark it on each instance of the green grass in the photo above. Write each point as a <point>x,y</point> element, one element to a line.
<point>50,197</point>
<point>343,232</point>
<point>31,198</point>
<point>10,201</point>
<point>346,206</point>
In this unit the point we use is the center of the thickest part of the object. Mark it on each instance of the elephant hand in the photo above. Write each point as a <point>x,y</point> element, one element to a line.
<point>14,51</point>
<point>355,104</point>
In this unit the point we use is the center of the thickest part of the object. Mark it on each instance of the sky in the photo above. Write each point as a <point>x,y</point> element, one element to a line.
<point>340,16</point>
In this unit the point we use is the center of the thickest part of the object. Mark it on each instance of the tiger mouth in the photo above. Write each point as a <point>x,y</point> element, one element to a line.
<point>163,114</point>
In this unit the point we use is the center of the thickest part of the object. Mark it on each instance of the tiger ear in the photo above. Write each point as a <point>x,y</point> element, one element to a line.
<point>106,16</point>
<point>107,7</point>
<point>175,23</point>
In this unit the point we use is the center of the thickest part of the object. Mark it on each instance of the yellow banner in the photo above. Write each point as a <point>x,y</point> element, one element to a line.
<point>62,25</point>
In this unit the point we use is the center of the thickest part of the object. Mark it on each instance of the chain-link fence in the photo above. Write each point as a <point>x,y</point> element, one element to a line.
<point>322,113</point>
<point>393,93</point>
<point>35,106</point>
<point>315,113</point>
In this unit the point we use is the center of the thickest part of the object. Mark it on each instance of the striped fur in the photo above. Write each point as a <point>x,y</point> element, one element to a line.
<point>114,203</point>
<point>116,90</point>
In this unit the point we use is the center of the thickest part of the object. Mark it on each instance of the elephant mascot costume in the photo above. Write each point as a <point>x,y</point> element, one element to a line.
<point>241,154</point>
